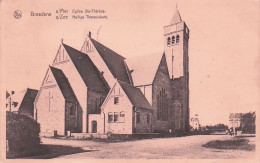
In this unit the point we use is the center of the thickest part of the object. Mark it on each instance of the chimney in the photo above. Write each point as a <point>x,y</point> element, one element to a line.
<point>89,34</point>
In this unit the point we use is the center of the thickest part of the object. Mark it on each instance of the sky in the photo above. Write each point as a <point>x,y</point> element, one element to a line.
<point>223,45</point>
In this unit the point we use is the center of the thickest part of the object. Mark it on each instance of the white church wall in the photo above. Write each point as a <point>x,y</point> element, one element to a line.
<point>50,106</point>
<point>77,85</point>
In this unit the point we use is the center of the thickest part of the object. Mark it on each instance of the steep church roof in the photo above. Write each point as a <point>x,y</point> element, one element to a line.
<point>114,62</point>
<point>144,67</point>
<point>176,17</point>
<point>135,96</point>
<point>63,84</point>
<point>87,70</point>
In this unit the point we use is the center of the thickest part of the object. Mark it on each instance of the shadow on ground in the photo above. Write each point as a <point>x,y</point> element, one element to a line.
<point>47,152</point>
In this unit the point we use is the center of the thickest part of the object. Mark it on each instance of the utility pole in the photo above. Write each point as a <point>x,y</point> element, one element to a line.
<point>10,103</point>
<point>98,32</point>
<point>172,62</point>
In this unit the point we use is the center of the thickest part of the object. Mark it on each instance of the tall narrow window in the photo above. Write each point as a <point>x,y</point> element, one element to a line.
<point>177,39</point>
<point>162,106</point>
<point>138,117</point>
<point>178,111</point>
<point>47,78</point>
<point>122,116</point>
<point>63,57</point>
<point>71,110</point>
<point>60,56</point>
<point>173,40</point>
<point>148,118</point>
<point>110,117</point>
<point>168,41</point>
<point>115,117</point>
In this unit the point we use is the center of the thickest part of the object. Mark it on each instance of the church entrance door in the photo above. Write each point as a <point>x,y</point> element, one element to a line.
<point>94,126</point>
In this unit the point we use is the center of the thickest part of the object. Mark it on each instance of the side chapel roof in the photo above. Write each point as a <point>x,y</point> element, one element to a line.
<point>135,96</point>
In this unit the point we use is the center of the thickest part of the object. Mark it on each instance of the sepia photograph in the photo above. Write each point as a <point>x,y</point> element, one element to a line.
<point>142,79</point>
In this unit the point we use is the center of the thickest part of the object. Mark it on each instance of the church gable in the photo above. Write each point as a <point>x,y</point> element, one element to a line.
<point>87,46</point>
<point>116,99</point>
<point>162,93</point>
<point>163,66</point>
<point>49,79</point>
<point>62,55</point>
<point>117,110</point>
<point>111,64</point>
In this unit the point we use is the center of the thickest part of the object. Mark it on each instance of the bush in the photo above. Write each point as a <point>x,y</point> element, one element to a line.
<point>178,133</point>
<point>22,132</point>
<point>235,144</point>
<point>249,123</point>
<point>199,132</point>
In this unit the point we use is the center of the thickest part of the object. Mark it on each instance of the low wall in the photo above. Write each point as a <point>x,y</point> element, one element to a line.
<point>120,136</point>
<point>88,135</point>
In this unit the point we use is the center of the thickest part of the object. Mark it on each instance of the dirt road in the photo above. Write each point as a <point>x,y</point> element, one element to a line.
<point>161,148</point>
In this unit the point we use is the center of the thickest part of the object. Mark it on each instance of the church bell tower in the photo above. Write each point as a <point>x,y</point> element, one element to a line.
<point>176,39</point>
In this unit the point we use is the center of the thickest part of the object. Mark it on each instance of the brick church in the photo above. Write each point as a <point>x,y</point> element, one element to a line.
<point>96,90</point>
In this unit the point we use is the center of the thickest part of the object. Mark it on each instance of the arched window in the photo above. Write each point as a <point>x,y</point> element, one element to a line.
<point>148,118</point>
<point>162,106</point>
<point>173,40</point>
<point>138,117</point>
<point>168,41</point>
<point>71,110</point>
<point>177,39</point>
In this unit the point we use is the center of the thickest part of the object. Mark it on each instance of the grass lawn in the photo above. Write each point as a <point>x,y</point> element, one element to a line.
<point>235,144</point>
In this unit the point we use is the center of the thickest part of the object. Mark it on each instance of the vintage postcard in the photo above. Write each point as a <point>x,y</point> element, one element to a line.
<point>151,80</point>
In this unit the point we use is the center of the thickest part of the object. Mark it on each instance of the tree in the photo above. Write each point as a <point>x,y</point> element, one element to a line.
<point>219,126</point>
<point>248,123</point>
